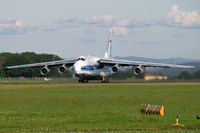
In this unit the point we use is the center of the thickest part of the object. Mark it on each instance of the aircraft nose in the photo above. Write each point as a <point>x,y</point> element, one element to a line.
<point>76,69</point>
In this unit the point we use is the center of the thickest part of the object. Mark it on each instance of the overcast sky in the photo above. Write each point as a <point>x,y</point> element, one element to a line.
<point>70,28</point>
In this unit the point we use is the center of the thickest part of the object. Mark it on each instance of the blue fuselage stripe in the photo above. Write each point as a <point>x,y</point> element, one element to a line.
<point>92,68</point>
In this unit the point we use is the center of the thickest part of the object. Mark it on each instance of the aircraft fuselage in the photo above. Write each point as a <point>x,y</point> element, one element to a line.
<point>88,68</point>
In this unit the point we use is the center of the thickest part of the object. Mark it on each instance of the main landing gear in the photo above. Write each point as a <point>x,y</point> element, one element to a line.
<point>103,79</point>
<point>81,80</point>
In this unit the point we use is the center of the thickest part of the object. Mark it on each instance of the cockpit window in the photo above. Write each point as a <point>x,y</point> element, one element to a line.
<point>81,58</point>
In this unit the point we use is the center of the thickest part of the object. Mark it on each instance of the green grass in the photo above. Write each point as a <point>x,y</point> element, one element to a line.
<point>37,81</point>
<point>104,107</point>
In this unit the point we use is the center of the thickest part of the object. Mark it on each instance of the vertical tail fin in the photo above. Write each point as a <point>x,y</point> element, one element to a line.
<point>109,46</point>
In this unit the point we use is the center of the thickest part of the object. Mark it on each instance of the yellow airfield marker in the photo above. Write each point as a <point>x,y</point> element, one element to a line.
<point>177,120</point>
<point>177,124</point>
<point>46,79</point>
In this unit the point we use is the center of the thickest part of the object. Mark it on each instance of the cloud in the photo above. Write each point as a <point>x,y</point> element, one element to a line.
<point>99,21</point>
<point>13,26</point>
<point>71,22</point>
<point>125,23</point>
<point>179,18</point>
<point>105,20</point>
<point>128,23</point>
<point>121,31</point>
<point>123,27</point>
<point>120,27</point>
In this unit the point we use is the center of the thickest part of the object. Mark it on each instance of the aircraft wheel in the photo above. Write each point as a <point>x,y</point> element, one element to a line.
<point>105,80</point>
<point>83,81</point>
<point>80,80</point>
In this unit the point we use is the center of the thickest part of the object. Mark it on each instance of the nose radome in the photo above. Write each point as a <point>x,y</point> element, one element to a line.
<point>77,69</point>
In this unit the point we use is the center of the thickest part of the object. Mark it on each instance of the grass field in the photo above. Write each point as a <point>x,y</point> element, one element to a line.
<point>98,107</point>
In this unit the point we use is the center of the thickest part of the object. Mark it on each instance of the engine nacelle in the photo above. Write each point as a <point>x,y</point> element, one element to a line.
<point>45,70</point>
<point>62,69</point>
<point>115,68</point>
<point>138,70</point>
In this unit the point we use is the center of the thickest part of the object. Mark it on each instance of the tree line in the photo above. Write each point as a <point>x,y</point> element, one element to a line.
<point>11,59</point>
<point>185,75</point>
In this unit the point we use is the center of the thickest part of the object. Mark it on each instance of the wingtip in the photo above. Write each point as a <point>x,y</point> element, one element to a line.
<point>6,68</point>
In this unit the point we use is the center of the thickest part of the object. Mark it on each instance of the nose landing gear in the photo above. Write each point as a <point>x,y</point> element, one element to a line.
<point>105,80</point>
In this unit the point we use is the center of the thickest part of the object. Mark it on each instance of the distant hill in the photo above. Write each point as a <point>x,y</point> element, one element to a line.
<point>169,72</point>
<point>169,60</point>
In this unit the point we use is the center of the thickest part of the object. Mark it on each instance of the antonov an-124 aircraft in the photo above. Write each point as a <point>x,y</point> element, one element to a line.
<point>95,68</point>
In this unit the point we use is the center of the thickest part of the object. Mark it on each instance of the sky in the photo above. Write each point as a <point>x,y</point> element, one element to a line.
<point>143,28</point>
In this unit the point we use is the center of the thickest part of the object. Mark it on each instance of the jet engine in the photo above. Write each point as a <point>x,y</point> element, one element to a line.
<point>45,70</point>
<point>115,68</point>
<point>138,70</point>
<point>62,69</point>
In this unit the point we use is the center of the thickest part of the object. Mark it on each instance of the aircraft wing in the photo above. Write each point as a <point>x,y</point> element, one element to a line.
<point>67,62</point>
<point>112,62</point>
